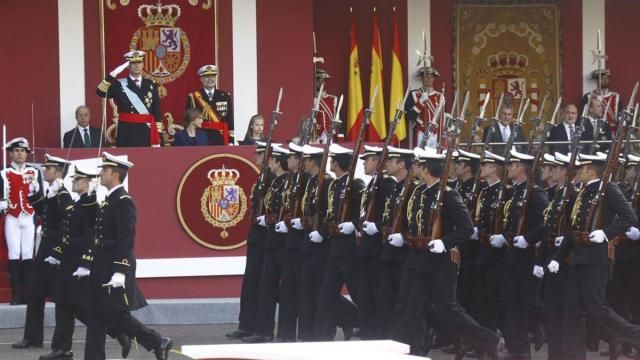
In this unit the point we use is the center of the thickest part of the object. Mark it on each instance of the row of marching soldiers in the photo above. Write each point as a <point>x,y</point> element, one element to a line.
<point>482,287</point>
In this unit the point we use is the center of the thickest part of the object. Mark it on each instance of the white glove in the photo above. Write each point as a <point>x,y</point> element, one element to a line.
<point>51,260</point>
<point>520,242</point>
<point>297,224</point>
<point>396,240</point>
<point>54,188</point>
<point>553,267</point>
<point>34,187</point>
<point>117,280</point>
<point>119,69</point>
<point>436,246</point>
<point>424,97</point>
<point>497,240</point>
<point>559,240</point>
<point>315,237</point>
<point>475,234</point>
<point>370,228</point>
<point>347,228</point>
<point>538,271</point>
<point>93,186</point>
<point>633,233</point>
<point>81,272</point>
<point>4,205</point>
<point>282,228</point>
<point>598,236</point>
<point>261,220</point>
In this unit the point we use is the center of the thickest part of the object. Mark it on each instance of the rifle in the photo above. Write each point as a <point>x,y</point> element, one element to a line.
<point>478,120</point>
<point>261,185</point>
<point>620,173</point>
<point>537,120</point>
<point>370,211</point>
<point>335,123</point>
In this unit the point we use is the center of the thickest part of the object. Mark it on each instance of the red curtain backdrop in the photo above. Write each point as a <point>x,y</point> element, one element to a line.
<point>620,36</point>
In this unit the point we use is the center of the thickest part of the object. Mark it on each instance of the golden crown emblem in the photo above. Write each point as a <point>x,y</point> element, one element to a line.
<point>510,63</point>
<point>223,176</point>
<point>159,15</point>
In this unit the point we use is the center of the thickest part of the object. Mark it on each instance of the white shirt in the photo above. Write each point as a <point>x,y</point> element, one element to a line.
<point>505,131</point>
<point>114,189</point>
<point>136,80</point>
<point>567,129</point>
<point>209,93</point>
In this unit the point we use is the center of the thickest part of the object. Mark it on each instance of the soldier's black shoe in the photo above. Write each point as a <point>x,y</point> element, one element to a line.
<point>238,334</point>
<point>162,351</point>
<point>57,355</point>
<point>347,330</point>
<point>539,337</point>
<point>257,339</point>
<point>125,343</point>
<point>26,344</point>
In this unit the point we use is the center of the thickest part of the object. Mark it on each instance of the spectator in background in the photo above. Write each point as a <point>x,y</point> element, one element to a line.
<point>192,135</point>
<point>83,135</point>
<point>255,131</point>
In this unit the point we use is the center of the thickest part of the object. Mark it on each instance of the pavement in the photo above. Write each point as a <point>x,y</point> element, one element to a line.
<point>181,334</point>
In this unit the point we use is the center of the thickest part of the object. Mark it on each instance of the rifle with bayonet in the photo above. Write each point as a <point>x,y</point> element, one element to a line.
<point>536,124</point>
<point>480,118</point>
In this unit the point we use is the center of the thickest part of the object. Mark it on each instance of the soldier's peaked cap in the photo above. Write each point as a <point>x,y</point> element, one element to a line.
<point>19,142</point>
<point>50,160</point>
<point>208,70</point>
<point>112,160</point>
<point>134,56</point>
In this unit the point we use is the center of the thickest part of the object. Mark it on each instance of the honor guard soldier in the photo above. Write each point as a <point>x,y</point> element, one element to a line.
<point>589,264</point>
<point>341,266</point>
<point>112,281</point>
<point>421,105</point>
<point>327,105</point>
<point>273,250</point>
<point>255,252</point>
<point>429,276</point>
<point>21,190</point>
<point>610,99</point>
<point>392,256</point>
<point>136,101</point>
<point>216,107</point>
<point>313,249</point>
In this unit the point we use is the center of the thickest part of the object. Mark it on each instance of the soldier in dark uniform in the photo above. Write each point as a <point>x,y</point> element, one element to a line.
<point>588,272</point>
<point>47,261</point>
<point>290,279</point>
<point>137,102</point>
<point>397,166</point>
<point>274,248</point>
<point>341,267</point>
<point>255,254</point>
<point>215,105</point>
<point>519,282</point>
<point>370,243</point>
<point>313,249</point>
<point>112,282</point>
<point>72,286</point>
<point>429,276</point>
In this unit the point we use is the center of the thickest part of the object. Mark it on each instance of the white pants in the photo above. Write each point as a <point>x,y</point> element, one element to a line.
<point>19,233</point>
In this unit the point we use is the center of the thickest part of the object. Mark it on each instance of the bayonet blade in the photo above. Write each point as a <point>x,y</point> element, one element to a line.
<point>484,106</point>
<point>556,111</point>
<point>279,100</point>
<point>373,98</point>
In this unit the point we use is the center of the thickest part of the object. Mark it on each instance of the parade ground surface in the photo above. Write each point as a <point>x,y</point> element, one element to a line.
<point>181,334</point>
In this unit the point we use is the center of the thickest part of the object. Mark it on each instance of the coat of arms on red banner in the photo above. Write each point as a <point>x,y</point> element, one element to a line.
<point>212,203</point>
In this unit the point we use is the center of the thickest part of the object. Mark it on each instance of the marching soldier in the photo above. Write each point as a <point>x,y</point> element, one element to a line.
<point>21,190</point>
<point>255,254</point>
<point>72,286</point>
<point>327,106</point>
<point>112,281</point>
<point>429,276</point>
<point>274,248</point>
<point>393,254</point>
<point>421,105</point>
<point>137,103</point>
<point>610,99</point>
<point>588,273</point>
<point>341,262</point>
<point>216,107</point>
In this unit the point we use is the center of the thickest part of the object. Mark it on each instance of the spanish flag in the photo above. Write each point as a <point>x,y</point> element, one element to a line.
<point>396,93</point>
<point>377,130</point>
<point>355,108</point>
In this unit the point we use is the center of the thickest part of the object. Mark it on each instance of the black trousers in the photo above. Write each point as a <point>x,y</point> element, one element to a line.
<point>34,322</point>
<point>490,299</point>
<point>520,299</point>
<point>65,326</point>
<point>311,275</point>
<point>585,295</point>
<point>250,288</point>
<point>331,309</point>
<point>390,275</point>
<point>624,292</point>
<point>289,284</point>
<point>554,286</point>
<point>368,284</point>
<point>121,322</point>
<point>469,283</point>
<point>269,288</point>
<point>432,296</point>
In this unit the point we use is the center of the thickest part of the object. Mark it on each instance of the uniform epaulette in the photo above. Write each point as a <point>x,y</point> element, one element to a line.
<point>125,197</point>
<point>63,192</point>
<point>104,85</point>
<point>90,204</point>
<point>124,262</point>
<point>68,208</point>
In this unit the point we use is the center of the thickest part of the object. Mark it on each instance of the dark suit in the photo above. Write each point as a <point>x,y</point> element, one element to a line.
<point>496,136</point>
<point>221,105</point>
<point>75,138</point>
<point>604,134</point>
<point>559,133</point>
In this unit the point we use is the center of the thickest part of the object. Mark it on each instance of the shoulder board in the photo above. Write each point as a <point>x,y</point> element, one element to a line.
<point>125,197</point>
<point>91,204</point>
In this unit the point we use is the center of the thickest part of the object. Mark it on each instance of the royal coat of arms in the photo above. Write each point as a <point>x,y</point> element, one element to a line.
<point>223,203</point>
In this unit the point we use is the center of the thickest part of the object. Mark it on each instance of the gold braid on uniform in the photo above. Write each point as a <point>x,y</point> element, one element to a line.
<point>575,212</point>
<point>304,197</point>
<point>410,206</point>
<point>505,213</point>
<point>330,202</point>
<point>479,207</point>
<point>547,213</point>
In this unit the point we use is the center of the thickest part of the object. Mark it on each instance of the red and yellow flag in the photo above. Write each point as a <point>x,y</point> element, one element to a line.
<point>377,129</point>
<point>396,93</point>
<point>355,108</point>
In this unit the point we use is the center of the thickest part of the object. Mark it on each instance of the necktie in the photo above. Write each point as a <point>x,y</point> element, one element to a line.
<point>85,138</point>
<point>505,134</point>
<point>572,132</point>
<point>594,123</point>
<point>137,83</point>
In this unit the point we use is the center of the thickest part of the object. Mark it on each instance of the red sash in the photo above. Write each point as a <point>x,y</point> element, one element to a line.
<point>154,136</point>
<point>213,122</point>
